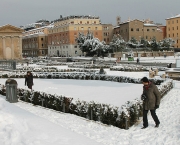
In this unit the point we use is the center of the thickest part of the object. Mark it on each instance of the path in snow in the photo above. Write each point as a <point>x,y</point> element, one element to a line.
<point>167,134</point>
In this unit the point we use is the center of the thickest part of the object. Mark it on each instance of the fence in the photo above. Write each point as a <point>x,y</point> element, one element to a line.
<point>7,64</point>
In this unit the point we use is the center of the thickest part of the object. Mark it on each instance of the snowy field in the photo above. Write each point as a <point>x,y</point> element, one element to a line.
<point>24,124</point>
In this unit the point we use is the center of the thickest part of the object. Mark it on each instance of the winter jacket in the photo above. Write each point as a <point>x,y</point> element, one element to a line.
<point>29,80</point>
<point>153,96</point>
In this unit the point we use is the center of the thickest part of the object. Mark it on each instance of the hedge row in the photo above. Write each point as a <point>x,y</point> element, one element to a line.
<point>80,76</point>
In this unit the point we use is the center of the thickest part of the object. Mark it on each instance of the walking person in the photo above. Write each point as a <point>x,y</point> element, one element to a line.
<point>29,80</point>
<point>137,61</point>
<point>151,100</point>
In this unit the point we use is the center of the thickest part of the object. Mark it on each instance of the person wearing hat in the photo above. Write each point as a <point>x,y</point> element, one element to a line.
<point>151,100</point>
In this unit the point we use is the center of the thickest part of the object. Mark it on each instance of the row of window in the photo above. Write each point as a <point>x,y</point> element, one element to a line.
<point>173,35</point>
<point>32,39</point>
<point>137,29</point>
<point>173,28</point>
<point>169,22</point>
<point>59,47</point>
<point>65,29</point>
<point>35,32</point>
<point>72,22</point>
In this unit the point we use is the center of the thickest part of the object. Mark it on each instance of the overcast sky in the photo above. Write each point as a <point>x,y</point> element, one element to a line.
<point>22,12</point>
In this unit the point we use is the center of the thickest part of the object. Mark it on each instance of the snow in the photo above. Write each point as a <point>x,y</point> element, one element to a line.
<point>24,124</point>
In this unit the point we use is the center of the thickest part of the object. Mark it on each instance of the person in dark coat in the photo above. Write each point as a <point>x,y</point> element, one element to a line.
<point>151,100</point>
<point>29,80</point>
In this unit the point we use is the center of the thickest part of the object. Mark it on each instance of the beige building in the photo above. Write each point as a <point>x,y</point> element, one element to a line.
<point>10,42</point>
<point>35,42</point>
<point>138,29</point>
<point>107,33</point>
<point>173,29</point>
<point>61,38</point>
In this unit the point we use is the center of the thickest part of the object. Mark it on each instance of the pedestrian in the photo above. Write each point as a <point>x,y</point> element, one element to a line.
<point>137,60</point>
<point>29,80</point>
<point>151,100</point>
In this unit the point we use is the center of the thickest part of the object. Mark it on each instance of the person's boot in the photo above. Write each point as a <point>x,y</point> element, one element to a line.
<point>144,127</point>
<point>157,125</point>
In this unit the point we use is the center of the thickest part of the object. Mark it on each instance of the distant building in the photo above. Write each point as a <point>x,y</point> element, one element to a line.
<point>10,42</point>
<point>139,29</point>
<point>37,24</point>
<point>107,30</point>
<point>35,42</point>
<point>61,38</point>
<point>173,29</point>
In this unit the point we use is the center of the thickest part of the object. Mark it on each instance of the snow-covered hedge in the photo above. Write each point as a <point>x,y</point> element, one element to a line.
<point>135,68</point>
<point>79,76</point>
<point>89,66</point>
<point>121,117</point>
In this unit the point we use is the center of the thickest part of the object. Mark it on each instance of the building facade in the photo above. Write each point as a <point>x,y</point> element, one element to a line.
<point>61,37</point>
<point>35,42</point>
<point>10,42</point>
<point>173,29</point>
<point>139,29</point>
<point>107,33</point>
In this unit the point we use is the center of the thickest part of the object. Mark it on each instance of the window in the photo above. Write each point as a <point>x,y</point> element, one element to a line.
<point>87,22</point>
<point>95,28</point>
<point>41,39</point>
<point>172,28</point>
<point>80,22</point>
<point>153,30</point>
<point>75,46</point>
<point>89,28</point>
<point>82,28</point>
<point>169,35</point>
<point>173,34</point>
<point>177,27</point>
<point>42,52</point>
<point>177,21</point>
<point>74,28</point>
<point>137,29</point>
<point>146,37</point>
<point>42,45</point>
<point>147,29</point>
<point>131,29</point>
<point>105,39</point>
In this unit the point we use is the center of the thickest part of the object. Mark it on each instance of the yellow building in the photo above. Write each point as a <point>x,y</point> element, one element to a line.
<point>173,29</point>
<point>61,38</point>
<point>138,29</point>
<point>10,42</point>
<point>35,42</point>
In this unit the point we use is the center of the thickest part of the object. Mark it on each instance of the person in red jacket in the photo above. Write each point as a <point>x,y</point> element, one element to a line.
<point>151,99</point>
<point>29,80</point>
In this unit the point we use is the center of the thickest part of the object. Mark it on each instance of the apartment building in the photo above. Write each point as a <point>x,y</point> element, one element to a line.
<point>107,33</point>
<point>61,37</point>
<point>139,29</point>
<point>173,29</point>
<point>35,42</point>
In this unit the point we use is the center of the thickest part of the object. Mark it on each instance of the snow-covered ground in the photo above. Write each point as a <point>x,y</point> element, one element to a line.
<point>24,124</point>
